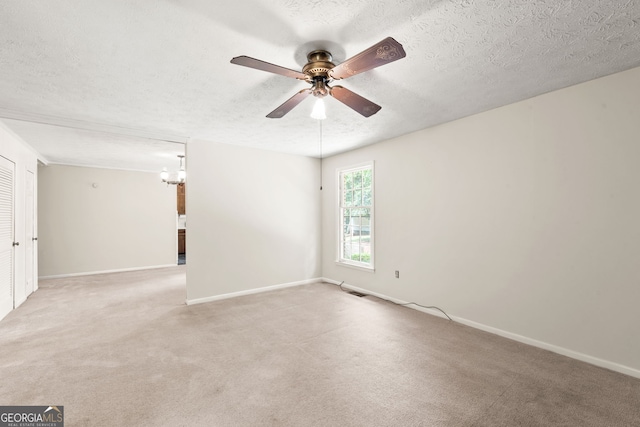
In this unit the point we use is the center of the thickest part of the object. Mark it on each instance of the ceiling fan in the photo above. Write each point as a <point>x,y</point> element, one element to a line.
<point>320,71</point>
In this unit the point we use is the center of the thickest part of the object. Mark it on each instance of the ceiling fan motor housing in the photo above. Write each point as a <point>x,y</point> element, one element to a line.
<point>318,71</point>
<point>319,64</point>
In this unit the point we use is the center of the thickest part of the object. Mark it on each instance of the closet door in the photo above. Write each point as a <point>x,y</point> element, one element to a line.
<point>7,172</point>
<point>29,235</point>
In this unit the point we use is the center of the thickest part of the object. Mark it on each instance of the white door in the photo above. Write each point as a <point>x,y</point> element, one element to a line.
<point>7,169</point>
<point>29,234</point>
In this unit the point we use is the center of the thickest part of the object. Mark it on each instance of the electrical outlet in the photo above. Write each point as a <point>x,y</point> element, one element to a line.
<point>397,274</point>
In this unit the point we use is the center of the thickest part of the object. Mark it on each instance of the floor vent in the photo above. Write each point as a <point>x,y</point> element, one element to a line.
<point>358,294</point>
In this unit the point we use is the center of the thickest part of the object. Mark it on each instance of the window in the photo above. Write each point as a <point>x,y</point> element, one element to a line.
<point>356,216</point>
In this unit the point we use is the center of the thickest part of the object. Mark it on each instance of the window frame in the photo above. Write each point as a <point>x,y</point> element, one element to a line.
<point>340,260</point>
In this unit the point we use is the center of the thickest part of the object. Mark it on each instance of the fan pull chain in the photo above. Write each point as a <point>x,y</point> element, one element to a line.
<point>320,150</point>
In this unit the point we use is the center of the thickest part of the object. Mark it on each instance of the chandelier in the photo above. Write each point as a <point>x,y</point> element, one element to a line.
<point>178,177</point>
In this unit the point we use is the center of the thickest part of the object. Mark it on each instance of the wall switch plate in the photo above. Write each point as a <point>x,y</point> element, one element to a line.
<point>397,274</point>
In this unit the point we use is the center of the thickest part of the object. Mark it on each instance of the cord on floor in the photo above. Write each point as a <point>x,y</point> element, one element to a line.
<point>396,303</point>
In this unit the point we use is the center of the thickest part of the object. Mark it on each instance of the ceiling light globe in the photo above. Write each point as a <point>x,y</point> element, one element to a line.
<point>318,111</point>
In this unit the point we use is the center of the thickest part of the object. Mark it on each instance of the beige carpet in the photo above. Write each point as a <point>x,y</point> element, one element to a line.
<point>123,350</point>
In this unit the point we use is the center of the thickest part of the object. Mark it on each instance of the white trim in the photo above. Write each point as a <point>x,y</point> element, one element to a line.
<point>627,370</point>
<point>356,267</point>
<point>252,291</point>
<point>20,302</point>
<point>355,167</point>
<point>90,126</point>
<point>39,157</point>
<point>382,296</point>
<point>372,233</point>
<point>76,165</point>
<point>119,270</point>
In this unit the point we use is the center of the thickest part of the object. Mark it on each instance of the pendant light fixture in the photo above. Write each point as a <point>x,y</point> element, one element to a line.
<point>180,176</point>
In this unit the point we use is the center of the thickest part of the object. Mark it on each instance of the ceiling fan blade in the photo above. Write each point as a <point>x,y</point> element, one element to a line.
<point>265,66</point>
<point>384,52</point>
<point>355,101</point>
<point>289,104</point>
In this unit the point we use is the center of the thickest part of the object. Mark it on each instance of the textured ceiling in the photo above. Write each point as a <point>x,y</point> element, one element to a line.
<point>123,83</point>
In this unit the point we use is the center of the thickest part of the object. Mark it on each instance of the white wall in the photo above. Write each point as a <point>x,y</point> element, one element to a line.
<point>524,220</point>
<point>127,222</point>
<point>257,216</point>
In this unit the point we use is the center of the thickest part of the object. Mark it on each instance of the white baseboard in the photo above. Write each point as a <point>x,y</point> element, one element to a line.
<point>252,291</point>
<point>19,303</point>
<point>553,348</point>
<point>627,370</point>
<point>431,311</point>
<point>120,270</point>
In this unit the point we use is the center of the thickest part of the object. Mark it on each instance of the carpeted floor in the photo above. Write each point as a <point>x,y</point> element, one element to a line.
<point>123,350</point>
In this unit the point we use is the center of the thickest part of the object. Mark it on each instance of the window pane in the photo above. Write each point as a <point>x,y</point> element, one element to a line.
<point>355,227</point>
<point>357,179</point>
<point>346,253</point>
<point>348,198</point>
<point>357,198</point>
<point>348,181</point>
<point>346,220</point>
<point>366,178</point>
<point>366,197</point>
<point>365,222</point>
<point>354,248</point>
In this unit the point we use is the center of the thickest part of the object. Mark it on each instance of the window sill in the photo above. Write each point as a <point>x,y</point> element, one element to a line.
<point>356,267</point>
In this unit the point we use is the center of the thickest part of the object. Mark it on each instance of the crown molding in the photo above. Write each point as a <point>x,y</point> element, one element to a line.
<point>90,126</point>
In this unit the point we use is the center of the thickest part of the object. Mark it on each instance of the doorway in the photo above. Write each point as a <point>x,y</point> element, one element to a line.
<point>182,224</point>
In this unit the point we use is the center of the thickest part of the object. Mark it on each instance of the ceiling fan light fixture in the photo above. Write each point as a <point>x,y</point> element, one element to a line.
<point>318,111</point>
